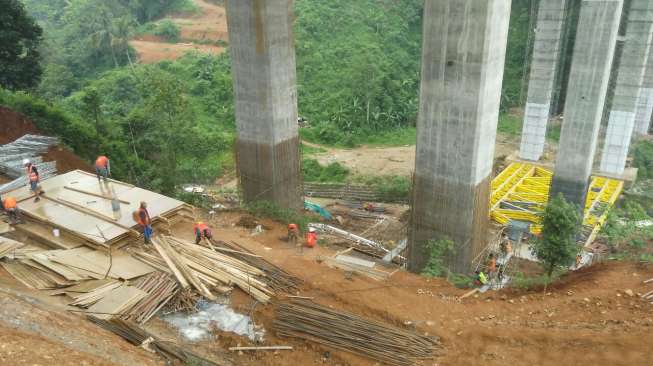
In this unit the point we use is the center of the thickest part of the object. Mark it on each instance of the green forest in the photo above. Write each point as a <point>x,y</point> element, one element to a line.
<point>173,122</point>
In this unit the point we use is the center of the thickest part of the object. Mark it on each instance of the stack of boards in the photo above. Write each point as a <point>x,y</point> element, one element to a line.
<point>82,211</point>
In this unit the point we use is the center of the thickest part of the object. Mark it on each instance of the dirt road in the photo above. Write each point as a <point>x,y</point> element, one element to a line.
<point>399,160</point>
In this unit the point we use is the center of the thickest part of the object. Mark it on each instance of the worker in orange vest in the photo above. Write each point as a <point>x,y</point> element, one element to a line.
<point>293,233</point>
<point>11,208</point>
<point>142,217</point>
<point>102,167</point>
<point>201,229</point>
<point>33,178</point>
<point>311,238</point>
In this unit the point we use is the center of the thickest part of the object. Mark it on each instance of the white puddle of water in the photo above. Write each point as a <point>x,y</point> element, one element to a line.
<point>197,326</point>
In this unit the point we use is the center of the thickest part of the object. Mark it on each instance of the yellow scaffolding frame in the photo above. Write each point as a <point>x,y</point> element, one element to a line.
<point>521,191</point>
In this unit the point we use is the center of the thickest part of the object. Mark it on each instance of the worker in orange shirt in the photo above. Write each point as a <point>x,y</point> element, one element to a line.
<point>33,178</point>
<point>102,167</point>
<point>11,208</point>
<point>201,230</point>
<point>142,217</point>
<point>311,238</point>
<point>293,233</point>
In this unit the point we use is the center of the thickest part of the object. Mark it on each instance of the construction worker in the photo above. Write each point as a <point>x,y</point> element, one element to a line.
<point>33,177</point>
<point>201,229</point>
<point>142,216</point>
<point>293,233</point>
<point>102,167</point>
<point>311,238</point>
<point>11,208</point>
<point>492,264</point>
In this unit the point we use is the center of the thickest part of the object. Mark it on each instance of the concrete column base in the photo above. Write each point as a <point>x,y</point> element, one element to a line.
<point>445,209</point>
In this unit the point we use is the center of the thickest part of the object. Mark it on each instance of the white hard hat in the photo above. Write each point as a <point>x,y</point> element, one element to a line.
<point>26,161</point>
<point>311,229</point>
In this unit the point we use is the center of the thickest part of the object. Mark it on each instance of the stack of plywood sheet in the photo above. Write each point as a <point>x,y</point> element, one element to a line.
<point>7,246</point>
<point>80,206</point>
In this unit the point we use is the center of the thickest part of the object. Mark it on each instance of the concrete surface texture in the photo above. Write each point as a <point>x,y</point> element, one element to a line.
<point>630,75</point>
<point>596,37</point>
<point>463,56</point>
<point>644,110</point>
<point>546,52</point>
<point>265,94</point>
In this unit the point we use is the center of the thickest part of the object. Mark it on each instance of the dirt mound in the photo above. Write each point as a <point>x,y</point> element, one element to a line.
<point>14,125</point>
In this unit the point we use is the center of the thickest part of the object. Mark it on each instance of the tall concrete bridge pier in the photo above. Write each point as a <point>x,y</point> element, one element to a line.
<point>463,54</point>
<point>596,38</point>
<point>265,94</point>
<point>630,76</point>
<point>546,54</point>
<point>644,110</point>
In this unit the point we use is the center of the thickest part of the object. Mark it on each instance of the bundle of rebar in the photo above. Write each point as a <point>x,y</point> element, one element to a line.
<point>275,277</point>
<point>348,332</point>
<point>140,337</point>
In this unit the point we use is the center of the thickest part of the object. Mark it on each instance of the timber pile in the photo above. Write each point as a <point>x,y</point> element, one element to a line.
<point>203,269</point>
<point>351,333</point>
<point>140,337</point>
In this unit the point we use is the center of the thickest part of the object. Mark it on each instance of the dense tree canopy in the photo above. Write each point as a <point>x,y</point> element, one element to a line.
<point>20,37</point>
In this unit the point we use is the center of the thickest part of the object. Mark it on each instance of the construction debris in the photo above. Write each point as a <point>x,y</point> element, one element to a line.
<point>357,265</point>
<point>348,332</point>
<point>348,236</point>
<point>138,337</point>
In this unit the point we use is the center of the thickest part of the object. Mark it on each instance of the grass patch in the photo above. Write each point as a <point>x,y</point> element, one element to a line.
<point>643,159</point>
<point>553,132</point>
<point>332,173</point>
<point>510,125</point>
<point>184,6</point>
<point>395,137</point>
<point>310,150</point>
<point>529,282</point>
<point>393,187</point>
<point>328,134</point>
<point>168,30</point>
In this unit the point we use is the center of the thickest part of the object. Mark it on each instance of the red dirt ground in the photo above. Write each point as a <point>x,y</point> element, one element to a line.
<point>14,125</point>
<point>586,318</point>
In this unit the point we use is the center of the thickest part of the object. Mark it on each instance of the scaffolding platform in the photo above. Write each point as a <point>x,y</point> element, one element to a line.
<point>520,193</point>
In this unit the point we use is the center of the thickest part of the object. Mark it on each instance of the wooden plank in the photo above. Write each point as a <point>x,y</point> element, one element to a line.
<point>180,277</point>
<point>96,195</point>
<point>117,302</point>
<point>263,348</point>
